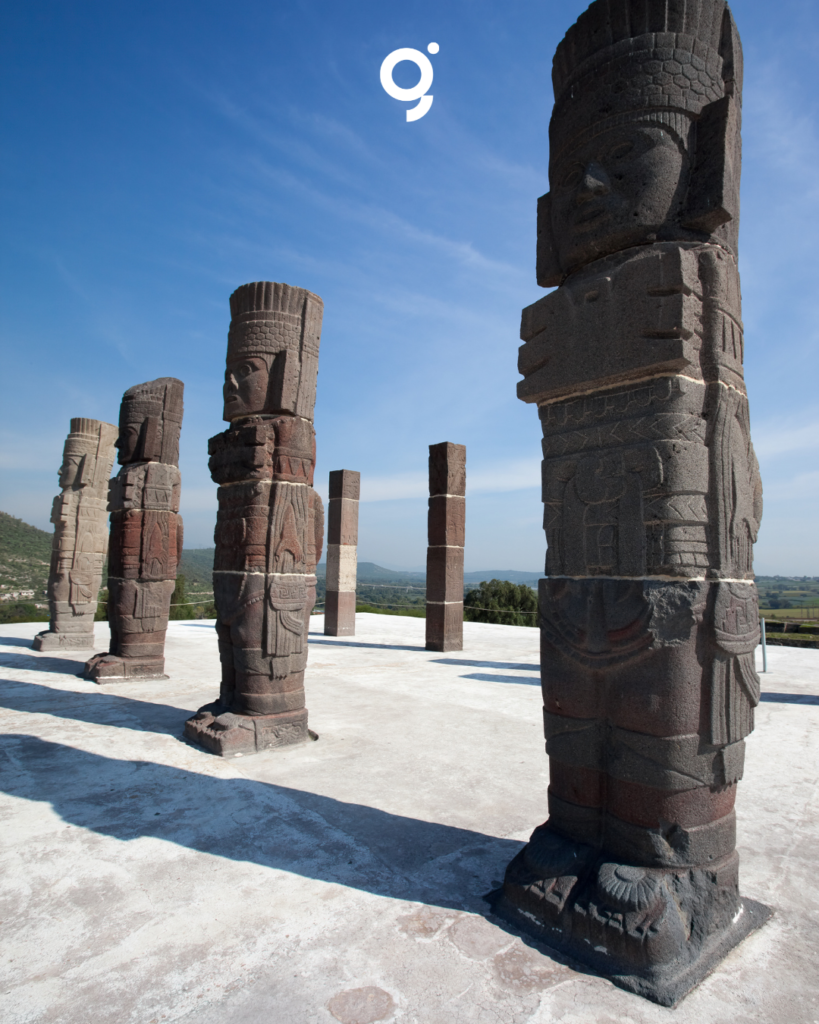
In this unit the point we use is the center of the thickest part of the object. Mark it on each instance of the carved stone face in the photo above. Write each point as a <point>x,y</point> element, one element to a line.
<point>245,389</point>
<point>127,443</point>
<point>622,188</point>
<point>70,470</point>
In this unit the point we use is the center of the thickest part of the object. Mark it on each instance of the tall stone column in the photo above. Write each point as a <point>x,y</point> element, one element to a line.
<point>652,501</point>
<point>80,518</point>
<point>146,533</point>
<point>445,554</point>
<point>342,542</point>
<point>270,524</point>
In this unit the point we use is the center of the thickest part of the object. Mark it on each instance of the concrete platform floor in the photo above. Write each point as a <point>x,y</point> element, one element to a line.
<point>146,881</point>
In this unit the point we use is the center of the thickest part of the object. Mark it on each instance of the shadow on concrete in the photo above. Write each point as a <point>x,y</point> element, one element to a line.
<point>17,641</point>
<point>789,698</point>
<point>486,664</point>
<point>261,823</point>
<point>486,677</point>
<point>94,705</point>
<point>46,663</point>
<point>314,639</point>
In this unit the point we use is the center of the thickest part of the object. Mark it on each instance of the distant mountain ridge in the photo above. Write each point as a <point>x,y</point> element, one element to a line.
<point>369,572</point>
<point>25,554</point>
<point>197,565</point>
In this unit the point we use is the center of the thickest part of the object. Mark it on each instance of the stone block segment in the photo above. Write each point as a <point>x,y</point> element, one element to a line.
<point>270,523</point>
<point>342,547</point>
<point>80,518</point>
<point>652,502</point>
<point>445,554</point>
<point>146,533</point>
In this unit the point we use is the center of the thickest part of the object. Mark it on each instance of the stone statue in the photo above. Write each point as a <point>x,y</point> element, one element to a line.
<point>80,518</point>
<point>652,501</point>
<point>270,525</point>
<point>146,533</point>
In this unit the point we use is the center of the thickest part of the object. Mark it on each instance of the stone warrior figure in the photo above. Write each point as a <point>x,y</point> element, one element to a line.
<point>270,525</point>
<point>80,518</point>
<point>146,533</point>
<point>652,501</point>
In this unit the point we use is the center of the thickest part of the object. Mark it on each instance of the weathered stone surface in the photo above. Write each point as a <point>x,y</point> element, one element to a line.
<point>445,553</point>
<point>652,502</point>
<point>445,626</point>
<point>339,608</point>
<point>445,574</point>
<point>146,533</point>
<point>446,520</point>
<point>270,523</point>
<point>79,515</point>
<point>342,542</point>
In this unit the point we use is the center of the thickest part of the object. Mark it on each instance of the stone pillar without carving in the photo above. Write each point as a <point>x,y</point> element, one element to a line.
<point>270,523</point>
<point>445,554</point>
<point>652,501</point>
<point>80,518</point>
<point>146,533</point>
<point>342,542</point>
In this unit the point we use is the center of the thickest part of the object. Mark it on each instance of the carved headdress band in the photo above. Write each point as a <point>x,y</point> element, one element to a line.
<point>93,441</point>
<point>266,318</point>
<point>637,60</point>
<point>157,407</point>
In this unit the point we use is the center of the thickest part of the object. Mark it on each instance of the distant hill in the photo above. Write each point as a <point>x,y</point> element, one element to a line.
<point>25,556</point>
<point>369,572</point>
<point>197,568</point>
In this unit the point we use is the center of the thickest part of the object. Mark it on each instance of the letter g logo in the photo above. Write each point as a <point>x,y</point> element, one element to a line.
<point>417,92</point>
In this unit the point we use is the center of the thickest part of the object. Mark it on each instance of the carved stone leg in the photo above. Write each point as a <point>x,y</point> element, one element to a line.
<point>141,615</point>
<point>261,706</point>
<point>635,872</point>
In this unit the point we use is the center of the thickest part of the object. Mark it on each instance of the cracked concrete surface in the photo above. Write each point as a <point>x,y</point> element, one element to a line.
<point>146,881</point>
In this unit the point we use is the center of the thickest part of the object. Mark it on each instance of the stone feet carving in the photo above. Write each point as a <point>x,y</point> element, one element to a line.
<point>108,668</point>
<point>222,732</point>
<point>653,931</point>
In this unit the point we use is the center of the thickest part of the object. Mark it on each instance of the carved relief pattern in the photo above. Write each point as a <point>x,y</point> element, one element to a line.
<point>80,542</point>
<point>270,523</point>
<point>652,500</point>
<point>146,533</point>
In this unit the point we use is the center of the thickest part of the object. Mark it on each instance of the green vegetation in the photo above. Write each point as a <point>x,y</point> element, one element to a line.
<point>383,591</point>
<point>788,597</point>
<point>501,602</point>
<point>412,612</point>
<point>196,566</point>
<point>25,557</point>
<point>22,611</point>
<point>182,607</point>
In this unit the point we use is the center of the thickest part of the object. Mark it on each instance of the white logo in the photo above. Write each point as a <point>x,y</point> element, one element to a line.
<point>417,92</point>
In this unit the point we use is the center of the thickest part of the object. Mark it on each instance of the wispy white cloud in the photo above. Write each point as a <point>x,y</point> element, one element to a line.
<point>20,451</point>
<point>392,488</point>
<point>514,475</point>
<point>800,487</point>
<point>786,436</point>
<point>198,499</point>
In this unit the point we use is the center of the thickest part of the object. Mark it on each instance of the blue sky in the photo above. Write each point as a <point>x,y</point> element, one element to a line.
<point>158,154</point>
